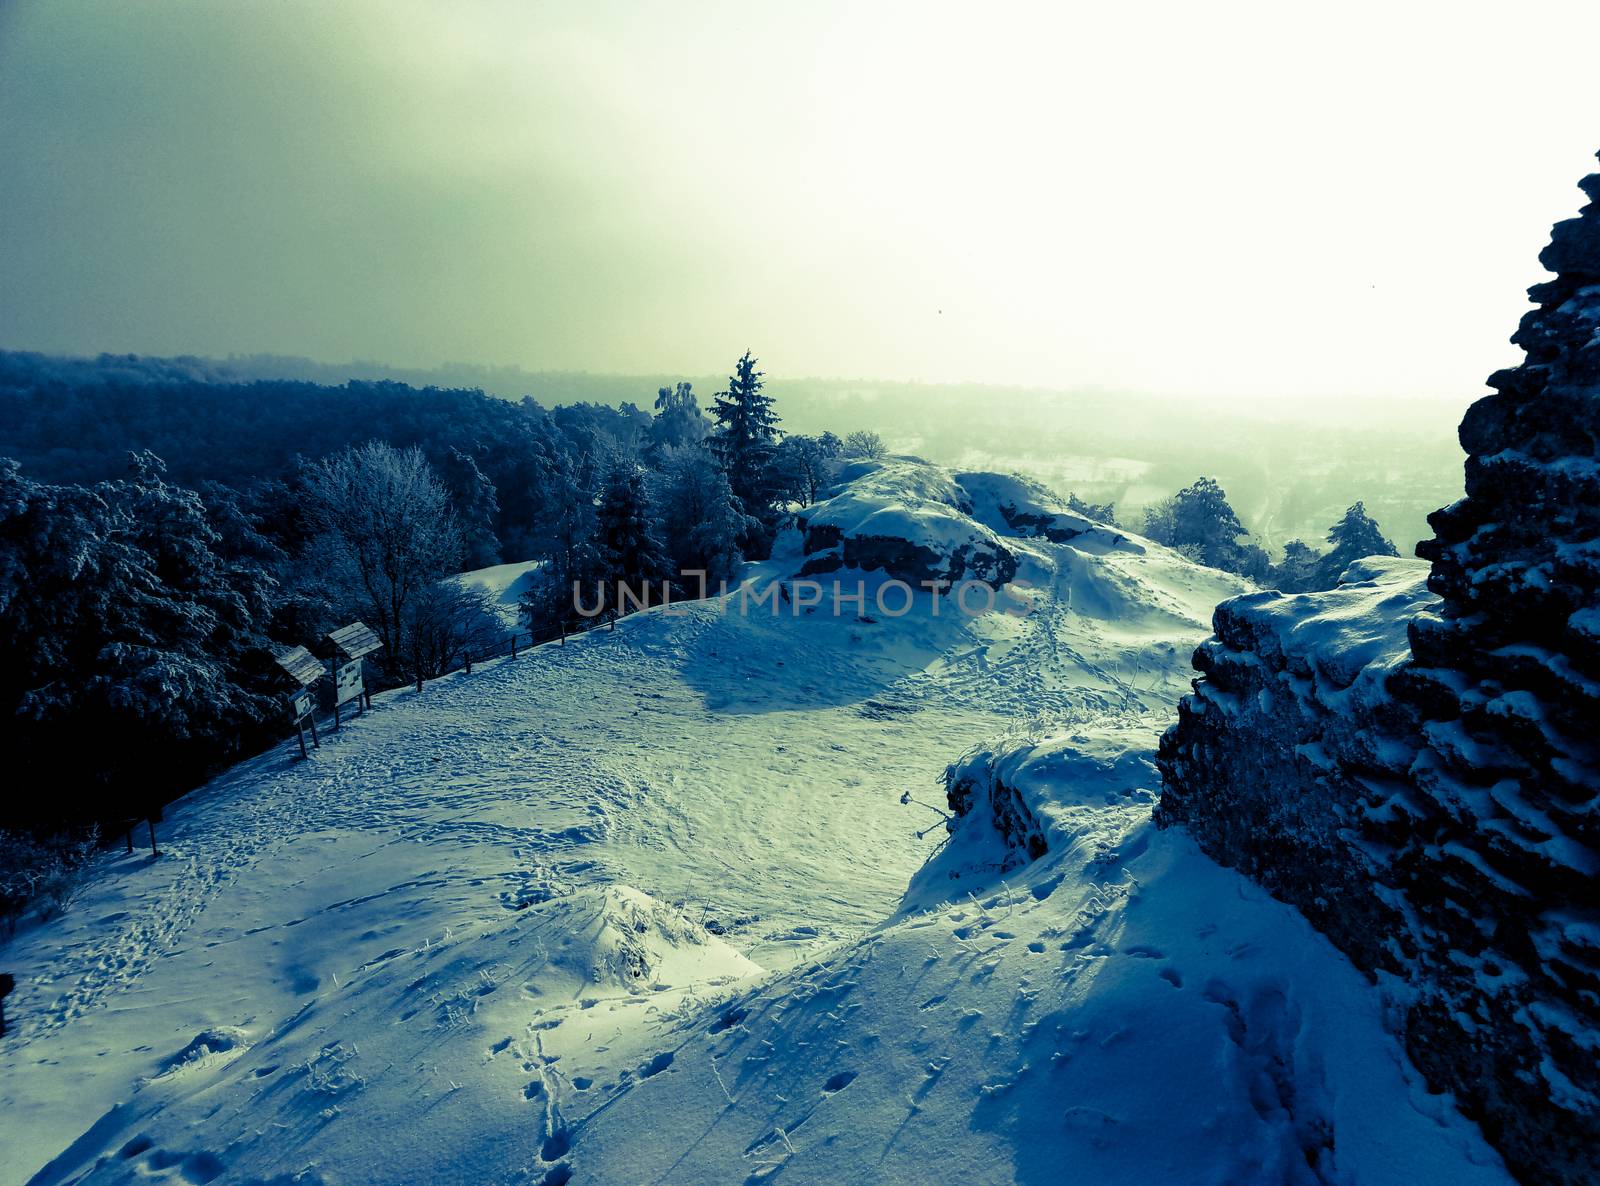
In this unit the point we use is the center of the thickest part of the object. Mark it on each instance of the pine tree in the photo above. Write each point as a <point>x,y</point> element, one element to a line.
<point>476,504</point>
<point>629,551</point>
<point>746,438</point>
<point>1298,571</point>
<point>1198,521</point>
<point>1353,537</point>
<point>570,559</point>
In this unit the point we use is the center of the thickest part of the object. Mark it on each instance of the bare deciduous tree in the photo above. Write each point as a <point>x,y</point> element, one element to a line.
<point>862,443</point>
<point>386,535</point>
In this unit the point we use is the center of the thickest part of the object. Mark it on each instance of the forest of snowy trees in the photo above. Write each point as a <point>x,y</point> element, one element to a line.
<point>163,538</point>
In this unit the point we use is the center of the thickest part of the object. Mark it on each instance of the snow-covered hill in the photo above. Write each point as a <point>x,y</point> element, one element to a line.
<point>675,903</point>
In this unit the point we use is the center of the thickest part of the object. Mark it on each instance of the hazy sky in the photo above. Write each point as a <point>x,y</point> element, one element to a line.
<point>1193,198</point>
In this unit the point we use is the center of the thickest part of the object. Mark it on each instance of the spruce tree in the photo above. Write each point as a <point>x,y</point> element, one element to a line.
<point>570,558</point>
<point>1198,521</point>
<point>1353,537</point>
<point>476,504</point>
<point>747,437</point>
<point>625,537</point>
<point>1298,571</point>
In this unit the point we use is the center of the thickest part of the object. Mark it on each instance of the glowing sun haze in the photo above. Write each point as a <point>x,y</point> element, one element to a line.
<point>1273,200</point>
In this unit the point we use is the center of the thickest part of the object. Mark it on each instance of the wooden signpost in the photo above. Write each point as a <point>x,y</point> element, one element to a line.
<point>350,644</point>
<point>305,669</point>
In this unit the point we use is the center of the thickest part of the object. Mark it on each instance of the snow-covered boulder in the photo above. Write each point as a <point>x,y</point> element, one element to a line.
<point>917,523</point>
<point>1040,796</point>
<point>1014,505</point>
<point>907,519</point>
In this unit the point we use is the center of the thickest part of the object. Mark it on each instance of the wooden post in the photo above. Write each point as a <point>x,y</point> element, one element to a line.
<point>300,732</point>
<point>154,851</point>
<point>469,662</point>
<point>130,837</point>
<point>513,644</point>
<point>336,708</point>
<point>419,679</point>
<point>316,742</point>
<point>563,632</point>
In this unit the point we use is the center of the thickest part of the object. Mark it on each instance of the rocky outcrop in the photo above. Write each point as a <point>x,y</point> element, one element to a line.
<point>1062,794</point>
<point>918,523</point>
<point>1289,760</point>
<point>906,519</point>
<point>1017,506</point>
<point>1419,774</point>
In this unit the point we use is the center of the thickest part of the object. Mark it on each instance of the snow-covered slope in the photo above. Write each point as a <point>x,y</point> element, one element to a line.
<point>658,906</point>
<point>504,584</point>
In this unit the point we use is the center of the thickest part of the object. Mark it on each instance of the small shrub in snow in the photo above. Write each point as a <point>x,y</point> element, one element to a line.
<point>48,872</point>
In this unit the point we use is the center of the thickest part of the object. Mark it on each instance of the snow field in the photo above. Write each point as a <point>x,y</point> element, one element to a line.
<point>649,908</point>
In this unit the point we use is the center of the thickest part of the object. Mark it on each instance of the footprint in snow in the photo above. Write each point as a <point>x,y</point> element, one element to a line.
<point>838,1082</point>
<point>656,1065</point>
<point>555,1148</point>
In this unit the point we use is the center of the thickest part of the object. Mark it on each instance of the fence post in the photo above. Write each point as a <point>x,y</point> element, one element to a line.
<point>513,644</point>
<point>469,662</point>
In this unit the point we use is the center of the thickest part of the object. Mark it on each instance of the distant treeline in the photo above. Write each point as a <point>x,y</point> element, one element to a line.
<point>72,420</point>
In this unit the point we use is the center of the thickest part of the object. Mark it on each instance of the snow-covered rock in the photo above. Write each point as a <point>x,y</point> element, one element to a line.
<point>907,519</point>
<point>1014,505</point>
<point>1421,775</point>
